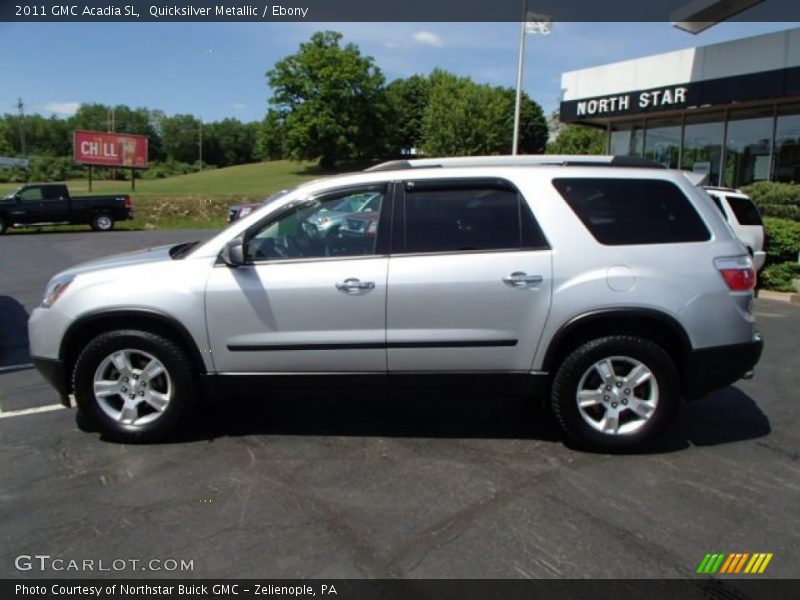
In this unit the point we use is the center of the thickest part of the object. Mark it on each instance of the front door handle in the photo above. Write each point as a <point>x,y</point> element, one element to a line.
<point>352,284</point>
<point>519,279</point>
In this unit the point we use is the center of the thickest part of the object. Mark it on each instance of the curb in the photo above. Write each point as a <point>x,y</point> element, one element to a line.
<point>779,296</point>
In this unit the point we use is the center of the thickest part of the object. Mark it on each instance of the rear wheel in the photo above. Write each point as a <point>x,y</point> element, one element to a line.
<point>616,393</point>
<point>102,222</point>
<point>134,386</point>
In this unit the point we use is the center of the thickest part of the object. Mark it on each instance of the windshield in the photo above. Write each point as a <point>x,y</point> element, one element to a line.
<point>12,193</point>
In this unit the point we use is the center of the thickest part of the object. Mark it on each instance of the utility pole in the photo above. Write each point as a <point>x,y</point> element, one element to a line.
<point>21,108</point>
<point>111,126</point>
<point>200,144</point>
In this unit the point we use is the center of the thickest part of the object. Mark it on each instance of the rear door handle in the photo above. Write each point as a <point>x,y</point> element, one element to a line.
<point>519,279</point>
<point>352,284</point>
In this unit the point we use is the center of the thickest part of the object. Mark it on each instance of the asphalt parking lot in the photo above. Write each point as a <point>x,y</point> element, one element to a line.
<point>427,483</point>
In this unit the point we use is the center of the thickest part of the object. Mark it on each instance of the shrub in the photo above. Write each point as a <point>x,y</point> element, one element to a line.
<point>779,277</point>
<point>783,240</point>
<point>775,199</point>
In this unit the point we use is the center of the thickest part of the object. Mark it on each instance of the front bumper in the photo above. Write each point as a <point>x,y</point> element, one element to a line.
<point>710,369</point>
<point>54,371</point>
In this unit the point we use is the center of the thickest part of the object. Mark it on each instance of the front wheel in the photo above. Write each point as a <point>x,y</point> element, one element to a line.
<point>134,386</point>
<point>616,393</point>
<point>102,222</point>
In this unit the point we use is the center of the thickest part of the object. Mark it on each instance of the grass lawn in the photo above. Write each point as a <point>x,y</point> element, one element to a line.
<point>197,200</point>
<point>256,179</point>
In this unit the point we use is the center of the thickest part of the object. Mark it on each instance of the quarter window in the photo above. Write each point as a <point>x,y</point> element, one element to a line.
<point>337,225</point>
<point>745,211</point>
<point>468,219</point>
<point>620,212</point>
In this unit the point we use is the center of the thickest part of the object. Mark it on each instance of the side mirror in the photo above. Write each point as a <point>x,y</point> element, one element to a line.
<point>233,253</point>
<point>17,198</point>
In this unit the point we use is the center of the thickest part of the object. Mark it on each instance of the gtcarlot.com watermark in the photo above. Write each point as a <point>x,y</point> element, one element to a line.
<point>46,563</point>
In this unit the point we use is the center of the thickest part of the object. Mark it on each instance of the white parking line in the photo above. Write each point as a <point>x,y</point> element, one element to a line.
<point>16,367</point>
<point>30,411</point>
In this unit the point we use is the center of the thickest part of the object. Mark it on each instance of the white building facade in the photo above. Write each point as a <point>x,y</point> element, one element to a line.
<point>731,110</point>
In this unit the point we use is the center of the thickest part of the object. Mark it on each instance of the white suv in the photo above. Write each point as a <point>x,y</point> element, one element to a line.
<point>605,284</point>
<point>742,215</point>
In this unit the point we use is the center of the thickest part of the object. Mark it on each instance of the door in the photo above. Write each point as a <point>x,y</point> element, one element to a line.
<point>30,206</point>
<point>55,203</point>
<point>469,279</point>
<point>306,302</point>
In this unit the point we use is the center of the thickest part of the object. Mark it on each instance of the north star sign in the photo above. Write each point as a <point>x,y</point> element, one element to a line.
<point>622,103</point>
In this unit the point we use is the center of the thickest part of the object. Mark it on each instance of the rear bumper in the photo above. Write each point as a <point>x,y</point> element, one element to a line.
<point>710,369</point>
<point>55,373</point>
<point>759,258</point>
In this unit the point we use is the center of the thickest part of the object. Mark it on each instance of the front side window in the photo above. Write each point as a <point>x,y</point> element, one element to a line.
<point>313,228</point>
<point>468,219</point>
<point>621,212</point>
<point>33,194</point>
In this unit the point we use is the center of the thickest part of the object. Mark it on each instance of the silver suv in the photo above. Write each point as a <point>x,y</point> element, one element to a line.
<point>611,287</point>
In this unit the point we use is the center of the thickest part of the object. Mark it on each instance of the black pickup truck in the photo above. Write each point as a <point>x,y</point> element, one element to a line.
<point>51,204</point>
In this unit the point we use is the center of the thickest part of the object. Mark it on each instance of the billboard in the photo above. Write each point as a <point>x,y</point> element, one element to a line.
<point>110,149</point>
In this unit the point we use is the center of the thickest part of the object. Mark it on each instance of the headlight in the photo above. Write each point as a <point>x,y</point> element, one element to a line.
<point>55,288</point>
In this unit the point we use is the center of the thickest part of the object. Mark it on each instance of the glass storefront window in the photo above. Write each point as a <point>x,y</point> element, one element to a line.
<point>747,149</point>
<point>626,139</point>
<point>702,145</point>
<point>662,142</point>
<point>787,144</point>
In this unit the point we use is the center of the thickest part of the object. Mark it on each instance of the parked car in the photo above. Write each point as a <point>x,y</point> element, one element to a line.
<point>328,221</point>
<point>51,204</point>
<point>608,286</point>
<point>360,225</point>
<point>742,215</point>
<point>239,211</point>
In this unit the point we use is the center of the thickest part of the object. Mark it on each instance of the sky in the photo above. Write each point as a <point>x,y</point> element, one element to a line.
<point>217,70</point>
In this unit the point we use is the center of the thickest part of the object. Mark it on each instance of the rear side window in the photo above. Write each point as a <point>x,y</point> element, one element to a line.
<point>468,219</point>
<point>745,211</point>
<point>619,212</point>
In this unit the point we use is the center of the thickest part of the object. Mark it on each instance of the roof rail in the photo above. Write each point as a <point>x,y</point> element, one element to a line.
<point>524,161</point>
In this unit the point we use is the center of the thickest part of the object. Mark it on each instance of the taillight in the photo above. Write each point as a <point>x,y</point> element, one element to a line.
<point>738,272</point>
<point>128,201</point>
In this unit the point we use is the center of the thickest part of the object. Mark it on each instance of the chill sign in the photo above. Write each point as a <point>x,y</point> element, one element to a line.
<point>636,102</point>
<point>110,149</point>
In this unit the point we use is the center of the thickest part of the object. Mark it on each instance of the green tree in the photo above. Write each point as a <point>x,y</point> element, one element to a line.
<point>466,118</point>
<point>407,100</point>
<point>271,136</point>
<point>579,139</point>
<point>180,138</point>
<point>332,99</point>
<point>229,142</point>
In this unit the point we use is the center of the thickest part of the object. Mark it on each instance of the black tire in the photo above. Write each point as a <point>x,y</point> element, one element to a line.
<point>179,373</point>
<point>564,394</point>
<point>3,226</point>
<point>102,222</point>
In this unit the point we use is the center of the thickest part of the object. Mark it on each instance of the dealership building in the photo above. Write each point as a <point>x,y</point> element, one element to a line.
<point>731,110</point>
